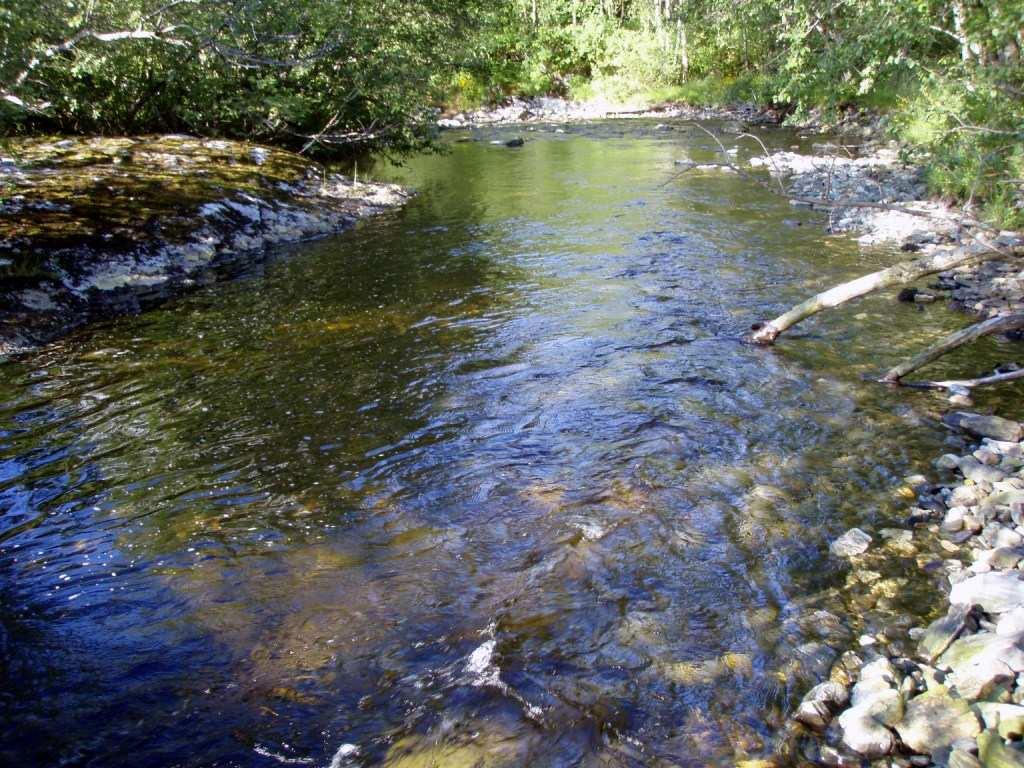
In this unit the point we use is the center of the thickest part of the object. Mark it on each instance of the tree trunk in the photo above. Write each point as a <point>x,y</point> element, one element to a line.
<point>684,52</point>
<point>999,324</point>
<point>898,274</point>
<point>958,24</point>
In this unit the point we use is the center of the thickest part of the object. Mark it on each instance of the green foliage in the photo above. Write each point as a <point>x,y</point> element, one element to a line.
<point>353,72</point>
<point>364,73</point>
<point>971,136</point>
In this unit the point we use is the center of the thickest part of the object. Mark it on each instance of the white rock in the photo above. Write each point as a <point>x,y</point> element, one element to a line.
<point>994,592</point>
<point>1011,624</point>
<point>852,543</point>
<point>980,661</point>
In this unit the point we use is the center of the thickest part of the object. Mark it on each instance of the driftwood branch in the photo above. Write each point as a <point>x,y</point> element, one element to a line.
<point>897,274</point>
<point>954,384</point>
<point>998,324</point>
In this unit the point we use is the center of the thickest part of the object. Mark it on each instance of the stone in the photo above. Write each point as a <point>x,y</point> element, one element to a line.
<point>936,719</point>
<point>974,470</point>
<point>820,704</point>
<point>1005,557</point>
<point>875,694</point>
<point>959,758</point>
<point>1011,624</point>
<point>864,734</point>
<point>954,519</point>
<point>852,543</point>
<point>948,461</point>
<point>1006,719</point>
<point>1007,537</point>
<point>993,753</point>
<point>986,456</point>
<point>995,592</point>
<point>963,496</point>
<point>979,662</point>
<point>941,633</point>
<point>995,427</point>
<point>1003,500</point>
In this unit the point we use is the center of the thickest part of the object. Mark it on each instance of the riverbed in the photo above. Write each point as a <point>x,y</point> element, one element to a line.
<point>491,480</point>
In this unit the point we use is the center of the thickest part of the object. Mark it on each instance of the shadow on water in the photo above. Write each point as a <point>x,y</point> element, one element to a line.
<point>490,481</point>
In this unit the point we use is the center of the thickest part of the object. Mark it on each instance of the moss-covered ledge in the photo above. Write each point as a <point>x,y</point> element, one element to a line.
<point>91,227</point>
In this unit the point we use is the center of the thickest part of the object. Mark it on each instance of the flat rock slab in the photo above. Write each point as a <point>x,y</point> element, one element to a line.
<point>980,661</point>
<point>936,719</point>
<point>995,427</point>
<point>995,592</point>
<point>941,633</point>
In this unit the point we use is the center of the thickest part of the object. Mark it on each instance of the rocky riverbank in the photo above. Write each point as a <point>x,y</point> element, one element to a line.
<point>91,228</point>
<point>899,212</point>
<point>952,693</point>
<point>555,110</point>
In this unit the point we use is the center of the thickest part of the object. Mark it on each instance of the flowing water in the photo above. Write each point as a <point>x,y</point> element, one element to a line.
<point>490,481</point>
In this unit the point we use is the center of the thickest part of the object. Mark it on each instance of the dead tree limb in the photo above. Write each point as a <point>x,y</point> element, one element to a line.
<point>953,384</point>
<point>897,274</point>
<point>998,324</point>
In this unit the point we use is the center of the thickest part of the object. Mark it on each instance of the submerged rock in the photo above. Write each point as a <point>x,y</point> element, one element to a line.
<point>852,543</point>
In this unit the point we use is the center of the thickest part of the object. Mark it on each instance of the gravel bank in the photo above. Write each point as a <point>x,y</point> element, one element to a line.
<point>555,110</point>
<point>952,693</point>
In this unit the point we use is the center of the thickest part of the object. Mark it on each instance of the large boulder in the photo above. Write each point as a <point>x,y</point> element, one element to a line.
<point>978,662</point>
<point>876,704</point>
<point>935,720</point>
<point>995,427</point>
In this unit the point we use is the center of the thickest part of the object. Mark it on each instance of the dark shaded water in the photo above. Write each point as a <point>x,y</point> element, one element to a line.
<point>492,481</point>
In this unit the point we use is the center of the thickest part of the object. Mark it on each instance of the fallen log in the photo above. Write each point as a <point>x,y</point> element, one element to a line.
<point>998,324</point>
<point>898,274</point>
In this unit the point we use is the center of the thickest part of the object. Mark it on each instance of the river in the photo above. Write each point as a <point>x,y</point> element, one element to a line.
<point>489,481</point>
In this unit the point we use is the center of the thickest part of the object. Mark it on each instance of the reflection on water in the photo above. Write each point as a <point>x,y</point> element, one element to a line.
<point>490,482</point>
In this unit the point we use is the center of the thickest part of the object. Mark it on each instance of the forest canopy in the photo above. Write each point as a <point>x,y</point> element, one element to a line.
<point>347,75</point>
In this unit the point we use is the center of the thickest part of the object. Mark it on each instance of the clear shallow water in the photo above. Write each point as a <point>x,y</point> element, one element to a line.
<point>491,481</point>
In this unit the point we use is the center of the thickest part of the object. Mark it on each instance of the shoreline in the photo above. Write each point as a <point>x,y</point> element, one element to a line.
<point>954,697</point>
<point>98,228</point>
<point>543,109</point>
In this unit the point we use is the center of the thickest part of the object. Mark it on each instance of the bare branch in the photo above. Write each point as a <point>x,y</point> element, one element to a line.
<point>952,384</point>
<point>999,324</point>
<point>897,274</point>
